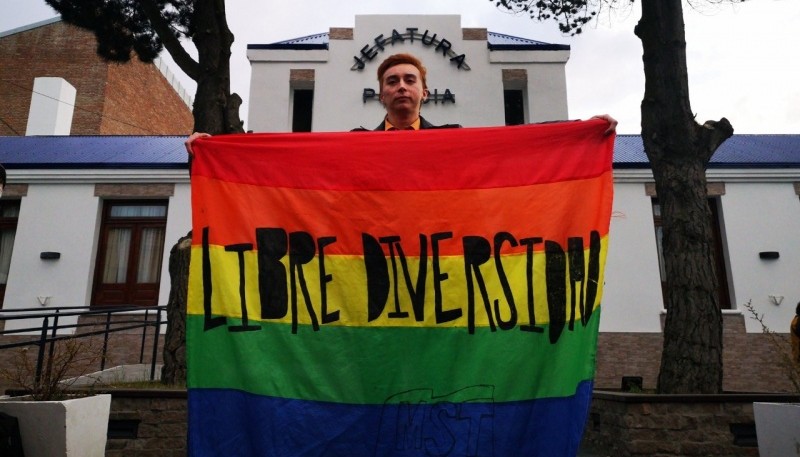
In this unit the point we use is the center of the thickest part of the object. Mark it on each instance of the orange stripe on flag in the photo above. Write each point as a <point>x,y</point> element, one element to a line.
<point>558,211</point>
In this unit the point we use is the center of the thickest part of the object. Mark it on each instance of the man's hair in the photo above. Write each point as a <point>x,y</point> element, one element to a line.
<point>398,59</point>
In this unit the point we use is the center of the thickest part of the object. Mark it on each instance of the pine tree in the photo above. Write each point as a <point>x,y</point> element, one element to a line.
<point>144,28</point>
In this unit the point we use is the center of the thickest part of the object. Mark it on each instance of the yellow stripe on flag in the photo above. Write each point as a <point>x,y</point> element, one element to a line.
<point>346,292</point>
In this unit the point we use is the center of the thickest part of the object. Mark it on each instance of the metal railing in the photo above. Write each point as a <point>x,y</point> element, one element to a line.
<point>45,336</point>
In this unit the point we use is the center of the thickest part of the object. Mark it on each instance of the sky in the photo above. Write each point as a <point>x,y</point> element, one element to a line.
<point>743,59</point>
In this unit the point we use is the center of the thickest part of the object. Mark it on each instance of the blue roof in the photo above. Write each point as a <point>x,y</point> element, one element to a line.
<point>739,151</point>
<point>93,152</point>
<point>496,41</point>
<point>151,152</point>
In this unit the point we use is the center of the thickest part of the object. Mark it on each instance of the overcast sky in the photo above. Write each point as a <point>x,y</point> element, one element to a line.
<point>744,60</point>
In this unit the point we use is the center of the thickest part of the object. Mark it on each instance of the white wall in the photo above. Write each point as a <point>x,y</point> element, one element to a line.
<point>632,300</point>
<point>179,223</point>
<point>338,104</point>
<point>65,217</point>
<point>269,109</point>
<point>764,216</point>
<point>760,211</point>
<point>59,218</point>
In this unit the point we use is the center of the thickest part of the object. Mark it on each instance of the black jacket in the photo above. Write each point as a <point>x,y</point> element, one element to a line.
<point>423,124</point>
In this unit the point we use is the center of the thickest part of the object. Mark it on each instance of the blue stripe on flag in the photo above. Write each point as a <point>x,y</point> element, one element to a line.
<point>230,423</point>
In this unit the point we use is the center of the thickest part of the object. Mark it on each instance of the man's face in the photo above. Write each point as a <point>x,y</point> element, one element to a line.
<point>402,90</point>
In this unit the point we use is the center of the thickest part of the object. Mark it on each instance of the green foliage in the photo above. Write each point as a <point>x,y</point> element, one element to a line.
<point>123,26</point>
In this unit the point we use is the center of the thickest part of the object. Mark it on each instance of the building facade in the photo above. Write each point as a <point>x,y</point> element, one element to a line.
<point>328,81</point>
<point>90,220</point>
<point>754,196</point>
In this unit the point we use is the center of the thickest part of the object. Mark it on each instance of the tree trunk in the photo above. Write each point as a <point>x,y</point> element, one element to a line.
<point>215,109</point>
<point>174,369</point>
<point>679,150</point>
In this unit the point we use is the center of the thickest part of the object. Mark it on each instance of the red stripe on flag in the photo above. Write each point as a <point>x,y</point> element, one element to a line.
<point>425,160</point>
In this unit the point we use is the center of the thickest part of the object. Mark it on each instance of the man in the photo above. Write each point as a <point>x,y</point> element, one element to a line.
<point>403,87</point>
<point>403,90</point>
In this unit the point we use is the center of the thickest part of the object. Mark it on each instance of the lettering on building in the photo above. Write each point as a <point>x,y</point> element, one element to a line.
<point>434,96</point>
<point>412,34</point>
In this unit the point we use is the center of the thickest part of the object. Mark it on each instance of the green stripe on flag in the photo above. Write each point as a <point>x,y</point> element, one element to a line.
<point>363,365</point>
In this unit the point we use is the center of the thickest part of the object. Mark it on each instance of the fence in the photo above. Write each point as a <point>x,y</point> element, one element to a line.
<point>84,322</point>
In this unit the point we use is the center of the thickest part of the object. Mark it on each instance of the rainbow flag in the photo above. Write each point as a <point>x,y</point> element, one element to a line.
<point>397,293</point>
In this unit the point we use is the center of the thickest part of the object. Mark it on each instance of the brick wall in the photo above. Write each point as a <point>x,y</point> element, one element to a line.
<point>751,362</point>
<point>628,354</point>
<point>160,418</point>
<point>114,99</point>
<point>125,347</point>
<point>673,425</point>
<point>161,111</point>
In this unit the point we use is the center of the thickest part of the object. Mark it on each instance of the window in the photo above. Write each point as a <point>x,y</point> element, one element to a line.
<point>9,213</point>
<point>514,105</point>
<point>303,109</point>
<point>130,253</point>
<point>515,89</point>
<point>301,92</point>
<point>719,258</point>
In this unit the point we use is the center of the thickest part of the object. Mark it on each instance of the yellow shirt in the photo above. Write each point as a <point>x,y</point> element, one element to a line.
<point>388,125</point>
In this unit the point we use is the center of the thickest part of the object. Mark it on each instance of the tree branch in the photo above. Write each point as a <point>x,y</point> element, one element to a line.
<point>713,134</point>
<point>170,41</point>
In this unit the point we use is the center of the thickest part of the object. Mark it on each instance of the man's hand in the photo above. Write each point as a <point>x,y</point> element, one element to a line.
<point>192,137</point>
<point>612,123</point>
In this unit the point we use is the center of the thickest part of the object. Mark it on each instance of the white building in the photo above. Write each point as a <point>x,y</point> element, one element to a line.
<point>468,71</point>
<point>89,220</point>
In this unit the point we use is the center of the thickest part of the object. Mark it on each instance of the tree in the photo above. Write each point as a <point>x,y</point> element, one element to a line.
<point>145,28</point>
<point>679,150</point>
